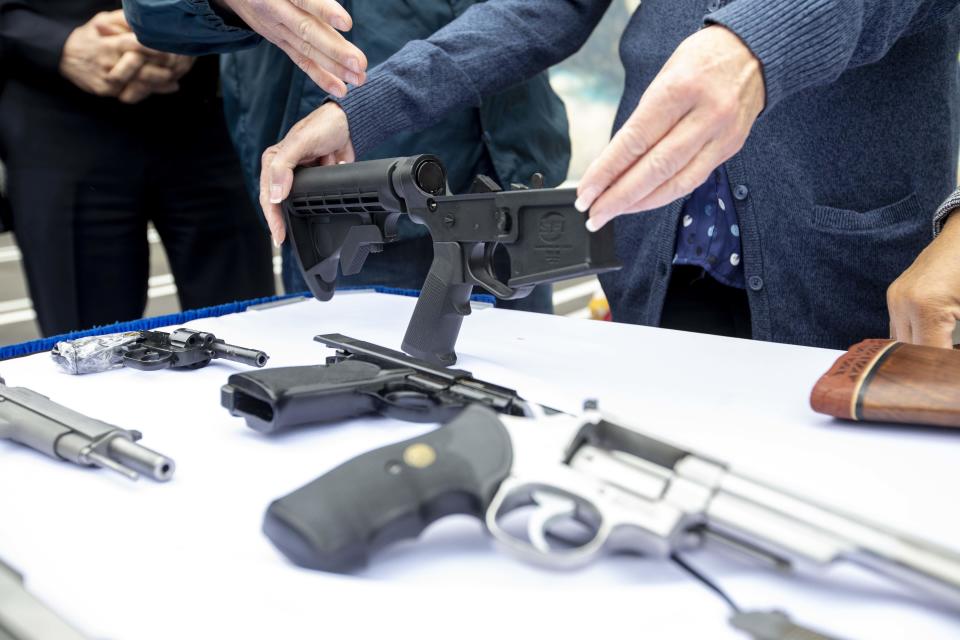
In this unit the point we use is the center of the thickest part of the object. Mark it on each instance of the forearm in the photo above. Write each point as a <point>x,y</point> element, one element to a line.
<point>944,213</point>
<point>189,27</point>
<point>806,43</point>
<point>31,40</point>
<point>492,46</point>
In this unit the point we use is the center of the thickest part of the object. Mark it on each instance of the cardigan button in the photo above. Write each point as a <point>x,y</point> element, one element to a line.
<point>740,192</point>
<point>714,5</point>
<point>755,283</point>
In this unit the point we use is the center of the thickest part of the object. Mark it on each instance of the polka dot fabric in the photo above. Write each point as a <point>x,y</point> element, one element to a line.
<point>709,234</point>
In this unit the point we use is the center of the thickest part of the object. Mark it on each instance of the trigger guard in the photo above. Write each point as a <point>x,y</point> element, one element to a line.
<point>515,494</point>
<point>414,406</point>
<point>479,266</point>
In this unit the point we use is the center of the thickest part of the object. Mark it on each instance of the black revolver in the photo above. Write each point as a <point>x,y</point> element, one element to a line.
<point>362,378</point>
<point>150,351</point>
<point>338,215</point>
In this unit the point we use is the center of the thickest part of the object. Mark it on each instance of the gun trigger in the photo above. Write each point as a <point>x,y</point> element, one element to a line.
<point>484,184</point>
<point>550,508</point>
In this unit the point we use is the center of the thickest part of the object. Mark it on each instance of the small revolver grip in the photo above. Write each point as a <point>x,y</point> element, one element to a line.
<point>443,302</point>
<point>337,521</point>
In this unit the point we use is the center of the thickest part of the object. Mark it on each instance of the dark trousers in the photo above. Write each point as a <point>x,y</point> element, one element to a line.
<point>82,190</point>
<point>697,302</point>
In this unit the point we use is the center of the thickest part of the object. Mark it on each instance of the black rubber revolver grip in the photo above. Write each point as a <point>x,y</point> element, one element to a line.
<point>337,521</point>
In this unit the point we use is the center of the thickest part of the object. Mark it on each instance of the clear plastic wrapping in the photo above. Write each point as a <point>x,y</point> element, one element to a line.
<point>93,353</point>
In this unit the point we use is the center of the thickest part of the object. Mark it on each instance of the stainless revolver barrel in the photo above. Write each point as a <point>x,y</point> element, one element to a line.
<point>35,421</point>
<point>679,499</point>
<point>751,513</point>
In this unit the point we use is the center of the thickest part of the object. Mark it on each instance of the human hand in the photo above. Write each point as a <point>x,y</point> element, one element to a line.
<point>92,50</point>
<point>695,115</point>
<point>143,75</point>
<point>322,138</point>
<point>307,31</point>
<point>924,302</point>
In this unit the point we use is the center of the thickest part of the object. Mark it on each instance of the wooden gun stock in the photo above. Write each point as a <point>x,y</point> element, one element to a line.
<point>887,381</point>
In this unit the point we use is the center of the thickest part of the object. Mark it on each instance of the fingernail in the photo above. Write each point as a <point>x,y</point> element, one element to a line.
<point>275,243</point>
<point>592,225</point>
<point>585,199</point>
<point>353,78</point>
<point>354,65</point>
<point>276,194</point>
<point>340,24</point>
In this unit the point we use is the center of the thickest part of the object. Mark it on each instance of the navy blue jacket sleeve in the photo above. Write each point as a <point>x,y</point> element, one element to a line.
<point>30,40</point>
<point>189,27</point>
<point>806,43</point>
<point>493,45</point>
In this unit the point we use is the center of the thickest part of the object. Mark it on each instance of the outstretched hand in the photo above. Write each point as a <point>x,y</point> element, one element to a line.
<point>308,32</point>
<point>695,115</point>
<point>322,138</point>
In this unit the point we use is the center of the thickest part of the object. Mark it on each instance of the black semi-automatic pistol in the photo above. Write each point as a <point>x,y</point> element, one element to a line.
<point>362,378</point>
<point>338,215</point>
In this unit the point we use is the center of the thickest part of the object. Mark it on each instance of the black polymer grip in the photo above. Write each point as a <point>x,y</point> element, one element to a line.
<point>444,301</point>
<point>339,520</point>
<point>276,399</point>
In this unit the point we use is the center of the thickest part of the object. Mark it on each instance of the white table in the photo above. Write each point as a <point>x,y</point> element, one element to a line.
<point>138,561</point>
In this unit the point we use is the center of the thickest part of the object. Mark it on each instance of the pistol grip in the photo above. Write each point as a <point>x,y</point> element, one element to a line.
<point>444,300</point>
<point>336,522</point>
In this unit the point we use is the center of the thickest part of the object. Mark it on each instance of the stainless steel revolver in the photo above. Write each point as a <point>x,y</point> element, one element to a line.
<point>559,489</point>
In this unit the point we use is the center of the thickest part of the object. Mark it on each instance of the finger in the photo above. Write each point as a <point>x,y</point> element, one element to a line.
<point>898,306</point>
<point>684,182</point>
<point>308,52</point>
<point>133,93</point>
<point>322,38</point>
<point>655,168</point>
<point>323,78</point>
<point>126,67</point>
<point>933,327</point>
<point>110,23</point>
<point>659,110</point>
<point>152,74</point>
<point>271,211</point>
<point>329,11</point>
<point>123,42</point>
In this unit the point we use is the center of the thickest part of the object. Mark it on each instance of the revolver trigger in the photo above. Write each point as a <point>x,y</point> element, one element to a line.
<point>550,509</point>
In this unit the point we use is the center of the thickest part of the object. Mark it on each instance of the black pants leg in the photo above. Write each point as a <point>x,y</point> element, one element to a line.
<point>218,248</point>
<point>697,302</point>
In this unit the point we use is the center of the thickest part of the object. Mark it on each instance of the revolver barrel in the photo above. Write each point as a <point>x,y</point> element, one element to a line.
<point>250,357</point>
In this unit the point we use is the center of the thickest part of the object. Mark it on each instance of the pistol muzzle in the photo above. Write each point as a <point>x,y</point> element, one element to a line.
<point>141,459</point>
<point>250,357</point>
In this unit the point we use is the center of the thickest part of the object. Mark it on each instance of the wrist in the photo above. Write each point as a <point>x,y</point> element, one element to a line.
<point>951,224</point>
<point>752,80</point>
<point>945,213</point>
